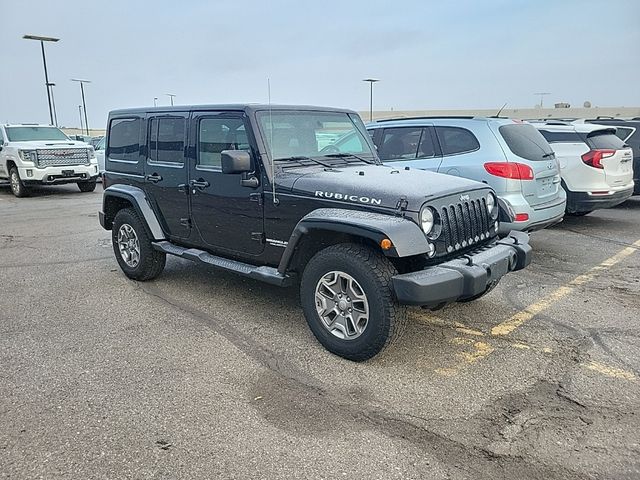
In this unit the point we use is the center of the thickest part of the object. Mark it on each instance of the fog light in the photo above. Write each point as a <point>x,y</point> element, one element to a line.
<point>29,173</point>
<point>431,249</point>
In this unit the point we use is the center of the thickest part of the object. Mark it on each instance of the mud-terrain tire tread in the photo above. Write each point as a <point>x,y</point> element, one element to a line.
<point>344,257</point>
<point>87,187</point>
<point>152,262</point>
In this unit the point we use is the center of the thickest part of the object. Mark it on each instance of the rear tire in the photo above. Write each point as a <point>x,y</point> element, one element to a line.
<point>87,186</point>
<point>132,247</point>
<point>17,186</point>
<point>355,280</point>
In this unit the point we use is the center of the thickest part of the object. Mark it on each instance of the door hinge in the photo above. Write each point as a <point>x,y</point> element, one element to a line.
<point>256,197</point>
<point>185,222</point>
<point>258,236</point>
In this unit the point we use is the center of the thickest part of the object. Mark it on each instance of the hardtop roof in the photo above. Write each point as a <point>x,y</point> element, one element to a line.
<point>244,107</point>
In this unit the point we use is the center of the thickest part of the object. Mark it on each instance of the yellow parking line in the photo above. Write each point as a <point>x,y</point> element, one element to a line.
<point>609,371</point>
<point>534,309</point>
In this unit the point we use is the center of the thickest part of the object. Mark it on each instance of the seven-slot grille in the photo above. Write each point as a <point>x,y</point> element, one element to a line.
<point>465,224</point>
<point>62,156</point>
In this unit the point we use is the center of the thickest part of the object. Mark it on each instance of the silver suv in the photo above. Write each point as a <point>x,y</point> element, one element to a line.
<point>509,155</point>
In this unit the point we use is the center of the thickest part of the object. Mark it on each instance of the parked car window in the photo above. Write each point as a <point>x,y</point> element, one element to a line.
<point>400,143</point>
<point>456,140</point>
<point>218,134</point>
<point>124,139</point>
<point>623,133</point>
<point>166,140</point>
<point>562,137</point>
<point>605,139</point>
<point>101,143</point>
<point>525,141</point>
<point>426,149</point>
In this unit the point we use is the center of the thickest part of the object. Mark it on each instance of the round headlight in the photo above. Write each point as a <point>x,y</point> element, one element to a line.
<point>426,220</point>
<point>492,206</point>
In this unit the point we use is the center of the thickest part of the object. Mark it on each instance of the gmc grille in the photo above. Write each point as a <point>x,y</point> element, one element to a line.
<point>62,157</point>
<point>465,224</point>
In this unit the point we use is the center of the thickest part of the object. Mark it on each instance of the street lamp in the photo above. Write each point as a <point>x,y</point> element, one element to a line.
<point>44,62</point>
<point>371,82</point>
<point>542,94</point>
<point>80,112</point>
<point>53,102</point>
<point>84,105</point>
<point>170,95</point>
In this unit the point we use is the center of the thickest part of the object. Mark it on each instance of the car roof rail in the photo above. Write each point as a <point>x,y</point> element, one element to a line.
<point>429,117</point>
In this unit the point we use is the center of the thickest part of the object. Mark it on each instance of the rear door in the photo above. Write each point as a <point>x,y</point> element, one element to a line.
<point>526,145</point>
<point>166,171</point>
<point>410,146</point>
<point>617,159</point>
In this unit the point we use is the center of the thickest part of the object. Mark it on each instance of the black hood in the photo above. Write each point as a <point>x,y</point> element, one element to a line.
<point>376,185</point>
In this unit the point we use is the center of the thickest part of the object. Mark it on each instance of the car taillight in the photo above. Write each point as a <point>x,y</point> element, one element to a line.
<point>521,217</point>
<point>593,158</point>
<point>517,171</point>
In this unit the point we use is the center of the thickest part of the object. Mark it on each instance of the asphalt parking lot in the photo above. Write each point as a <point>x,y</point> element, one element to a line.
<point>202,374</point>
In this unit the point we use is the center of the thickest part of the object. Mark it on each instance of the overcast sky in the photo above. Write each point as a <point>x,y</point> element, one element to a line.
<point>428,54</point>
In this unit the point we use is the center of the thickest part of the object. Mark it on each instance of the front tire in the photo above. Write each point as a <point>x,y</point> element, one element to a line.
<point>132,247</point>
<point>348,301</point>
<point>87,186</point>
<point>17,186</point>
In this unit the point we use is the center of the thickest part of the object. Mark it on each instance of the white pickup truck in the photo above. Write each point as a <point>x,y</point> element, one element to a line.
<point>44,155</point>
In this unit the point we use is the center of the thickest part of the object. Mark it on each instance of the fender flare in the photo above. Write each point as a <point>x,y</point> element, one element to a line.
<point>138,199</point>
<point>406,236</point>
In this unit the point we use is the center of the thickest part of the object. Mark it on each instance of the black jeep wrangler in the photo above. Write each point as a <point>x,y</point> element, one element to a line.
<point>264,191</point>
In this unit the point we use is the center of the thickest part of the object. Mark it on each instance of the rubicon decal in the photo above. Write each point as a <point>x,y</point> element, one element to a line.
<point>349,198</point>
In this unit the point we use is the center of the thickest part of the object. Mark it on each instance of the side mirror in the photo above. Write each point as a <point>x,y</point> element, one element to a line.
<point>235,161</point>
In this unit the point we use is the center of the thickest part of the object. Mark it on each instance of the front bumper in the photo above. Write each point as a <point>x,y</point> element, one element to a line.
<point>465,277</point>
<point>56,175</point>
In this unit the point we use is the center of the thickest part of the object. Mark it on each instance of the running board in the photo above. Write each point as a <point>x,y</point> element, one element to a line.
<point>263,273</point>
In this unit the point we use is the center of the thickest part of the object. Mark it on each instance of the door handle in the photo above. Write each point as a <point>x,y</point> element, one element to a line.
<point>199,183</point>
<point>155,178</point>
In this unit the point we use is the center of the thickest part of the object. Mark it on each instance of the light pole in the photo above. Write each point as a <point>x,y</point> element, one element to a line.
<point>84,105</point>
<point>53,102</point>
<point>170,95</point>
<point>44,63</point>
<point>542,94</point>
<point>80,112</point>
<point>155,101</point>
<point>371,82</point>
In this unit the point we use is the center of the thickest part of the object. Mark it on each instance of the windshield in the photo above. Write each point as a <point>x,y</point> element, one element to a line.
<point>27,134</point>
<point>290,134</point>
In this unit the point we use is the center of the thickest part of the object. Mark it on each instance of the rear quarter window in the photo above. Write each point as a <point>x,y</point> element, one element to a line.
<point>124,139</point>
<point>525,141</point>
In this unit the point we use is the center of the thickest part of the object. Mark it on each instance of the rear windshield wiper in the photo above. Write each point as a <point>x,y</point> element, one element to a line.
<point>302,157</point>
<point>353,155</point>
<point>547,155</point>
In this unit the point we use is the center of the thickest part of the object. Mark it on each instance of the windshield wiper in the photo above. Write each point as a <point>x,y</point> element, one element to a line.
<point>547,155</point>
<point>302,157</point>
<point>344,155</point>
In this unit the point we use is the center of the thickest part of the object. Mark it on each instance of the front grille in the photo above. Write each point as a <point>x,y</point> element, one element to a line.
<point>61,157</point>
<point>465,224</point>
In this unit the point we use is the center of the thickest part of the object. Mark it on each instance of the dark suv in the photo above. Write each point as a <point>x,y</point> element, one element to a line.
<point>261,191</point>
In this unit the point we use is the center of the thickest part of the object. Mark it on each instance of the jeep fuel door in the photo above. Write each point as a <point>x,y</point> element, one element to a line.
<point>226,208</point>
<point>165,171</point>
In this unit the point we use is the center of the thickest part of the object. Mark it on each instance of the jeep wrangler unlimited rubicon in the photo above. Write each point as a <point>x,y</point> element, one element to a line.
<point>43,155</point>
<point>263,191</point>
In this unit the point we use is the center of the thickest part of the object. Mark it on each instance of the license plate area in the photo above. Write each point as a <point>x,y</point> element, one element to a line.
<point>68,173</point>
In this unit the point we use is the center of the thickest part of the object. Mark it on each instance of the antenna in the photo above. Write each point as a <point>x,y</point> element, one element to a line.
<point>273,167</point>
<point>500,111</point>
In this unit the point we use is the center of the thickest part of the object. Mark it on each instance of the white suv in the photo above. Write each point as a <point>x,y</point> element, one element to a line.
<point>595,165</point>
<point>44,155</point>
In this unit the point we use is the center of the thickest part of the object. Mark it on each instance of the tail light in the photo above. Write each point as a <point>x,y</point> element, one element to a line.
<point>516,171</point>
<point>593,158</point>
<point>521,217</point>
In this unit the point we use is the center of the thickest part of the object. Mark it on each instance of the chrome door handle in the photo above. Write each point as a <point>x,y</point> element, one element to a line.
<point>155,178</point>
<point>199,183</point>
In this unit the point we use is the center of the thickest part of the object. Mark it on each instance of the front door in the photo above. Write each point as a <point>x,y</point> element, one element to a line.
<point>226,211</point>
<point>166,172</point>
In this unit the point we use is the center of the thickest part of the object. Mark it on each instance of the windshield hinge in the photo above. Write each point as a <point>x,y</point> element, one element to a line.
<point>402,204</point>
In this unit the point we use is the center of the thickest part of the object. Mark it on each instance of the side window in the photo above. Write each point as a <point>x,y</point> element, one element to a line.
<point>426,149</point>
<point>351,143</point>
<point>561,137</point>
<point>124,139</point>
<point>399,143</point>
<point>456,140</point>
<point>166,140</point>
<point>218,134</point>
